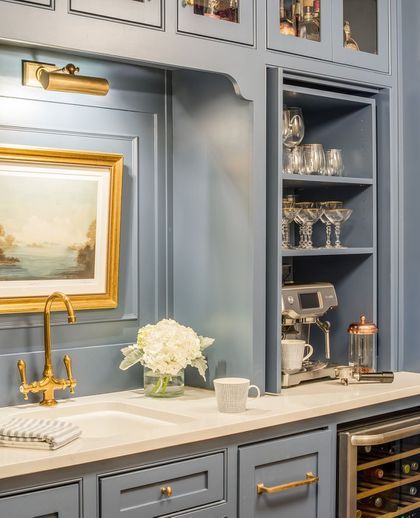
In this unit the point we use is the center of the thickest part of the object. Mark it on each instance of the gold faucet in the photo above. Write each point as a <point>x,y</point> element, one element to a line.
<point>49,383</point>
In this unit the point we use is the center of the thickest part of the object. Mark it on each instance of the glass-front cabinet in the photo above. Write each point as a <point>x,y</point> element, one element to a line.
<point>300,27</point>
<point>361,33</point>
<point>354,32</point>
<point>230,20</point>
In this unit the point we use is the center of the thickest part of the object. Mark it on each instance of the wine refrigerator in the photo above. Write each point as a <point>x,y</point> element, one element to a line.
<point>378,470</point>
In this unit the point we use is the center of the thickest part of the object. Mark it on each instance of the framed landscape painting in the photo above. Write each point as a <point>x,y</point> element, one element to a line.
<point>59,228</point>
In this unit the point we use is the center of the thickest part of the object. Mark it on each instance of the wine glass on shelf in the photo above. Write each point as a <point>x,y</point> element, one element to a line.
<point>313,159</point>
<point>296,127</point>
<point>337,217</point>
<point>328,205</point>
<point>334,162</point>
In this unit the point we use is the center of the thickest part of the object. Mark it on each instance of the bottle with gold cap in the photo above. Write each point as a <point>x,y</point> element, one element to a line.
<point>309,28</point>
<point>362,346</point>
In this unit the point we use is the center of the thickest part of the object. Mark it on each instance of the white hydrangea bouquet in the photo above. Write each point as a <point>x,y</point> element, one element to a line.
<point>165,349</point>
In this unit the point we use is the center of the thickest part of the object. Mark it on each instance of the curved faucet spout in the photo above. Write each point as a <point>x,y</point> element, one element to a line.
<point>57,295</point>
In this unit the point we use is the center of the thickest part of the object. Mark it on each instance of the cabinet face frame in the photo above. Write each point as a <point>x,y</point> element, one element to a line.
<point>198,25</point>
<point>151,16</point>
<point>294,45</point>
<point>379,61</point>
<point>45,4</point>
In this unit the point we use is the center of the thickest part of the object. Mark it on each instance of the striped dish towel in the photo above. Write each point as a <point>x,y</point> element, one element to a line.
<point>43,434</point>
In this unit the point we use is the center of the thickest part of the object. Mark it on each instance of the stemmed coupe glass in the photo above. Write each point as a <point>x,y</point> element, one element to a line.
<point>328,205</point>
<point>337,217</point>
<point>309,214</point>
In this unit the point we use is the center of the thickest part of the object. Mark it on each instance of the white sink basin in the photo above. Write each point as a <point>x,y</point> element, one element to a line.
<point>109,419</point>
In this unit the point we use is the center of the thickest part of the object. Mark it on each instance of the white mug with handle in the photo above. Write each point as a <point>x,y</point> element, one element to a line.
<point>232,394</point>
<point>293,354</point>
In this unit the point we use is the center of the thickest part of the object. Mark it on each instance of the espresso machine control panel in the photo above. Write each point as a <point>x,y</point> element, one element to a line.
<point>300,301</point>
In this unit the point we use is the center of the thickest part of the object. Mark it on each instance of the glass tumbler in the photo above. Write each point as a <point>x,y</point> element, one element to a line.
<point>313,159</point>
<point>334,162</point>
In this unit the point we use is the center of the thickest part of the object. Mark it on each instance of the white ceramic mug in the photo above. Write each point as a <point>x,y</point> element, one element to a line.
<point>232,394</point>
<point>293,354</point>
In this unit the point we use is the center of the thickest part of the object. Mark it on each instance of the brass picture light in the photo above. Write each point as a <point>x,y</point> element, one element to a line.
<point>66,79</point>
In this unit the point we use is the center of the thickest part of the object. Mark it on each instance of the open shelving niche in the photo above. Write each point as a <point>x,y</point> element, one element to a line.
<point>335,119</point>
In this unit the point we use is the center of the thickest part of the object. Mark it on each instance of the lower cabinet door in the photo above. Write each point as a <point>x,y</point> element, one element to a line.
<point>288,477</point>
<point>58,502</point>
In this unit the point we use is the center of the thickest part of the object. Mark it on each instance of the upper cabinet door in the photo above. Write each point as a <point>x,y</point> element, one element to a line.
<point>142,12</point>
<point>361,33</point>
<point>230,20</point>
<point>300,27</point>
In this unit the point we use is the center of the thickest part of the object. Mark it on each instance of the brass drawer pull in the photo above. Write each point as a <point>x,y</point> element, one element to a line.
<point>167,491</point>
<point>310,479</point>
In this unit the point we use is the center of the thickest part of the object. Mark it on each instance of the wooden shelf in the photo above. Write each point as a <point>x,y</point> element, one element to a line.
<point>300,181</point>
<point>389,458</point>
<point>385,485</point>
<point>326,251</point>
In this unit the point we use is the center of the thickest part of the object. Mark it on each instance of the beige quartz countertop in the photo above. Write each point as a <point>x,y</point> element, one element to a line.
<point>190,418</point>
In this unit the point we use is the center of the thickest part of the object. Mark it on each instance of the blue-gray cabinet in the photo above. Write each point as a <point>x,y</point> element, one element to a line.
<point>369,21</point>
<point>268,471</point>
<point>184,485</point>
<point>56,502</point>
<point>231,20</point>
<point>141,12</point>
<point>276,40</point>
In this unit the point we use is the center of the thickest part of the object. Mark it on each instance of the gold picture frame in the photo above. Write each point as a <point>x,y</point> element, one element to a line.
<point>47,201</point>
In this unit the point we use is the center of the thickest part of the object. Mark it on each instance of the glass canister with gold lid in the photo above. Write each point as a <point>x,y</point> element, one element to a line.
<point>362,345</point>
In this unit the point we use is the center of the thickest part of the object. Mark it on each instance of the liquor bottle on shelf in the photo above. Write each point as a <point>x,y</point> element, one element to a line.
<point>297,16</point>
<point>405,468</point>
<point>373,473</point>
<point>349,42</point>
<point>286,25</point>
<point>317,12</point>
<point>309,29</point>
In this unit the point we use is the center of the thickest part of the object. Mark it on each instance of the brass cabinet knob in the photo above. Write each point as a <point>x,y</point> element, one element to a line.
<point>167,490</point>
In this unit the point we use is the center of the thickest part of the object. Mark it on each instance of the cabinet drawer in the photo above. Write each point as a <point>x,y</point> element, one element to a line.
<point>58,502</point>
<point>282,461</point>
<point>193,483</point>
<point>142,12</point>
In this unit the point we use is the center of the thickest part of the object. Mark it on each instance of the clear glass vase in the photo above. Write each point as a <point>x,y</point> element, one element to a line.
<point>163,385</point>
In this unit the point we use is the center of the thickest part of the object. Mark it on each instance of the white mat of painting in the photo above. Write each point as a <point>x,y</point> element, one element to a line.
<point>49,434</point>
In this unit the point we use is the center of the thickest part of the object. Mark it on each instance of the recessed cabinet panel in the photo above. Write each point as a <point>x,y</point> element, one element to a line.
<point>59,502</point>
<point>295,474</point>
<point>300,27</point>
<point>142,12</point>
<point>35,3</point>
<point>361,33</point>
<point>231,20</point>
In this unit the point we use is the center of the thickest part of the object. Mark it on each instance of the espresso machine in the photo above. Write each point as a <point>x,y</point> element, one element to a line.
<point>303,305</point>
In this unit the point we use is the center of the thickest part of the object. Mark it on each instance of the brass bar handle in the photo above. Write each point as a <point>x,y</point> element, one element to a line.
<point>167,490</point>
<point>21,365</point>
<point>67,363</point>
<point>310,479</point>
